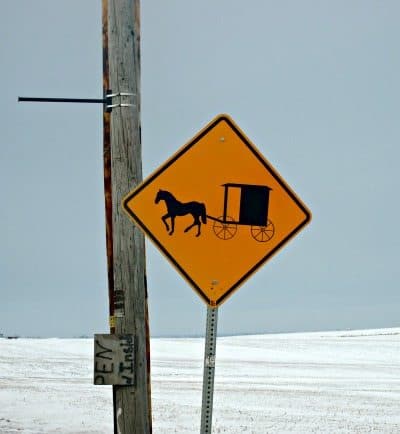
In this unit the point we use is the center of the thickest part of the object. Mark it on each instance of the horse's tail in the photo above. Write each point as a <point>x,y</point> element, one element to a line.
<point>203,214</point>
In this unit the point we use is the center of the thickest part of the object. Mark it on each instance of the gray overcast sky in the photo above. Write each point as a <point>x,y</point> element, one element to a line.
<point>314,84</point>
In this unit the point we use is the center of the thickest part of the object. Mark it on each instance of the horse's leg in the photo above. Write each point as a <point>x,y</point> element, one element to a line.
<point>190,227</point>
<point>164,218</point>
<point>195,222</point>
<point>172,224</point>
<point>198,226</point>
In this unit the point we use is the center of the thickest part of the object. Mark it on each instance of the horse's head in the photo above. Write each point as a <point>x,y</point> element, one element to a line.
<point>164,195</point>
<point>159,196</point>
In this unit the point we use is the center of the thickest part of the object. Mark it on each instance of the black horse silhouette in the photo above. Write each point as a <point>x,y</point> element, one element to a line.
<point>176,208</point>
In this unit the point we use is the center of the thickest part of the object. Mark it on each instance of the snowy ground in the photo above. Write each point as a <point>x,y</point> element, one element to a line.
<point>337,382</point>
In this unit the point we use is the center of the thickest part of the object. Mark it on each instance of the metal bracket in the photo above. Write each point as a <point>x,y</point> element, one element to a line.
<point>109,105</point>
<point>107,100</point>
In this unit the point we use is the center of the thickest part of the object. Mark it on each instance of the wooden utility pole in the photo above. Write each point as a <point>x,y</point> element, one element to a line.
<point>125,243</point>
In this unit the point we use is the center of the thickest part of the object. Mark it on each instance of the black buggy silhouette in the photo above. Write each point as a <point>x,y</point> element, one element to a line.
<point>253,212</point>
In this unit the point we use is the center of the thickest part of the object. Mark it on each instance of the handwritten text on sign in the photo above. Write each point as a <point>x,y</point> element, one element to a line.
<point>114,359</point>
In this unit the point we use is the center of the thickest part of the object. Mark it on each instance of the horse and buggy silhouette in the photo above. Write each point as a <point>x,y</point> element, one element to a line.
<point>253,212</point>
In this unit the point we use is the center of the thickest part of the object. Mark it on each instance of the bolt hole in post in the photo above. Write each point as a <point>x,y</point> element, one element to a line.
<point>209,370</point>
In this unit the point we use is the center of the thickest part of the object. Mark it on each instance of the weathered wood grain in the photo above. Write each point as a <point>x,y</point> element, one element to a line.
<point>132,404</point>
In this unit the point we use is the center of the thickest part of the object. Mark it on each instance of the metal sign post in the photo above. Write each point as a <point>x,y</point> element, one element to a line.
<point>209,370</point>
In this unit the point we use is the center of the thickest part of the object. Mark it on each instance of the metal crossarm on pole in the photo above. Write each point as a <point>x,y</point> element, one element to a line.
<point>109,104</point>
<point>209,370</point>
<point>73,100</point>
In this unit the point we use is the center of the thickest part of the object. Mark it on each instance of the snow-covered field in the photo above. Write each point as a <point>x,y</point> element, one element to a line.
<point>336,382</point>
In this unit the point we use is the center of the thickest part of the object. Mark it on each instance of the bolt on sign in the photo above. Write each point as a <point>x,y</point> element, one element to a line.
<point>217,209</point>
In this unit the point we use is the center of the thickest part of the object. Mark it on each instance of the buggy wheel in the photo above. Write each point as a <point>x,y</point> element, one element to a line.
<point>263,234</point>
<point>225,230</point>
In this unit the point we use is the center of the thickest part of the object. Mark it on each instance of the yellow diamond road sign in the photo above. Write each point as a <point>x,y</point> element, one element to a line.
<point>217,209</point>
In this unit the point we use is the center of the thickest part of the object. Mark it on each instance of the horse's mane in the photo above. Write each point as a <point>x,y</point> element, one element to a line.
<point>168,194</point>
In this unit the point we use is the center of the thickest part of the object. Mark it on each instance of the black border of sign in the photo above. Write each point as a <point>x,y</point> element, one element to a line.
<point>171,161</point>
